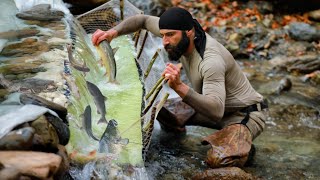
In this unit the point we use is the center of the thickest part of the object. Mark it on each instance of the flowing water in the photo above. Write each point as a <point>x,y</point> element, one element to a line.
<point>289,147</point>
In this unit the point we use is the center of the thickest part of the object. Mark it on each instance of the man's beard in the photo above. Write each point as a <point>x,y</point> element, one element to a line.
<point>176,51</point>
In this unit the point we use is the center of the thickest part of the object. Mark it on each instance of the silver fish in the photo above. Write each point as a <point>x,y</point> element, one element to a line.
<point>99,99</point>
<point>110,141</point>
<point>107,58</point>
<point>86,122</point>
<point>80,67</point>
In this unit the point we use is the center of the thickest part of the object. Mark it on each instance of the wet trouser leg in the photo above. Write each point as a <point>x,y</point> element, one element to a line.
<point>230,145</point>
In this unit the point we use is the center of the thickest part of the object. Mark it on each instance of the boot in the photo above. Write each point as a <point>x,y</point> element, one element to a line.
<point>230,146</point>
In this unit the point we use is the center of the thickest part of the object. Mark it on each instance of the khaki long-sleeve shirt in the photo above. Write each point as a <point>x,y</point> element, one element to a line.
<point>218,84</point>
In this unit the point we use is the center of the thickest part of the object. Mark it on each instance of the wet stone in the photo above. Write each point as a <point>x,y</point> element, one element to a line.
<point>46,137</point>
<point>21,68</point>
<point>224,174</point>
<point>37,100</point>
<point>18,34</point>
<point>29,46</point>
<point>20,139</point>
<point>303,32</point>
<point>41,12</point>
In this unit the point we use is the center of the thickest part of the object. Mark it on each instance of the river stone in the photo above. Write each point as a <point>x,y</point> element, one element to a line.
<point>37,165</point>
<point>303,32</point>
<point>61,128</point>
<point>37,100</point>
<point>37,85</point>
<point>46,137</point>
<point>314,15</point>
<point>20,139</point>
<point>21,68</point>
<point>41,12</point>
<point>29,46</point>
<point>10,173</point>
<point>226,173</point>
<point>18,34</point>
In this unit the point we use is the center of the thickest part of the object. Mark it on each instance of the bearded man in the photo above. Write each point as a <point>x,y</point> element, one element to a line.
<point>221,97</point>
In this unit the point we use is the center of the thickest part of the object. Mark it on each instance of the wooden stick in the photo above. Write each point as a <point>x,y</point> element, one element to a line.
<point>157,91</point>
<point>142,45</point>
<point>154,87</point>
<point>121,9</point>
<point>151,63</point>
<point>137,35</point>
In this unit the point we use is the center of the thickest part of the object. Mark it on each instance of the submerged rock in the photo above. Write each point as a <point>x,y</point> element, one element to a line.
<point>226,173</point>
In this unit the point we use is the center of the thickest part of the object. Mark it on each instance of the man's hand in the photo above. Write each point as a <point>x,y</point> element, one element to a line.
<point>172,75</point>
<point>100,35</point>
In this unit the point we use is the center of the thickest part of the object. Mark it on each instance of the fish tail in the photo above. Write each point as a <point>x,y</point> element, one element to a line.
<point>102,120</point>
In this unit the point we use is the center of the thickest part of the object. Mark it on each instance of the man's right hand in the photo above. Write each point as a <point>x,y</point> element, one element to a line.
<point>100,35</point>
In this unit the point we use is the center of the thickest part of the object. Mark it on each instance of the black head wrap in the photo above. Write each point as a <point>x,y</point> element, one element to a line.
<point>180,19</point>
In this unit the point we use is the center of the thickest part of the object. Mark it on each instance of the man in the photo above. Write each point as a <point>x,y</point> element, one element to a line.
<point>221,97</point>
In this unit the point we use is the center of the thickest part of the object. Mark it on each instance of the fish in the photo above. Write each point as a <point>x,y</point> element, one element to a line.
<point>80,67</point>
<point>110,141</point>
<point>86,122</point>
<point>106,54</point>
<point>99,100</point>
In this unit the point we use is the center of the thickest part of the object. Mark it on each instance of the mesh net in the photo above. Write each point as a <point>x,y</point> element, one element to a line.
<point>148,48</point>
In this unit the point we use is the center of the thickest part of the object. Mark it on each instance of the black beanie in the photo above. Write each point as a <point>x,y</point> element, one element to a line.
<point>177,19</point>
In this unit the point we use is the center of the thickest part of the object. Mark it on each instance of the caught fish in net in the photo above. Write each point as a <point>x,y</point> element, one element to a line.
<point>149,58</point>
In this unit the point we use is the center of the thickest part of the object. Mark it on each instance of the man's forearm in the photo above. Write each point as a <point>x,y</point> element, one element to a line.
<point>131,24</point>
<point>182,90</point>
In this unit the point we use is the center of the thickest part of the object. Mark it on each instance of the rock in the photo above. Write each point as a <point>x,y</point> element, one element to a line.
<point>285,84</point>
<point>303,32</point>
<point>314,15</point>
<point>9,173</point>
<point>20,139</point>
<point>34,164</point>
<point>18,34</point>
<point>46,138</point>
<point>226,173</point>
<point>61,128</point>
<point>21,68</point>
<point>263,7</point>
<point>41,12</point>
<point>29,46</point>
<point>37,100</point>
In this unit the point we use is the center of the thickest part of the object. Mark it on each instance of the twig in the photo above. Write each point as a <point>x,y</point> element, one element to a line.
<point>121,9</point>
<point>154,87</point>
<point>154,97</point>
<point>142,45</point>
<point>151,63</point>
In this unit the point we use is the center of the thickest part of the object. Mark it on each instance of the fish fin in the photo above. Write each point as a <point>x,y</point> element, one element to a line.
<point>114,50</point>
<point>102,120</point>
